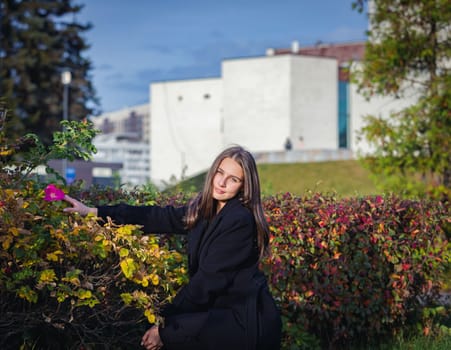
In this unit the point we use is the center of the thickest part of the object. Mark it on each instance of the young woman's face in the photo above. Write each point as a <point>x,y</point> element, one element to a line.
<point>227,181</point>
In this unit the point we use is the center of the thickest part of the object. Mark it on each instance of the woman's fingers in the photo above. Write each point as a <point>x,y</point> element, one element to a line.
<point>75,204</point>
<point>78,207</point>
<point>151,339</point>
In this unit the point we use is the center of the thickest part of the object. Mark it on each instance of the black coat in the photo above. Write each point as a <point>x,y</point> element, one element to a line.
<point>227,295</point>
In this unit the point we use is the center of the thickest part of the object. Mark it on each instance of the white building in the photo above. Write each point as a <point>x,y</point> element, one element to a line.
<point>267,100</point>
<point>258,103</point>
<point>186,127</point>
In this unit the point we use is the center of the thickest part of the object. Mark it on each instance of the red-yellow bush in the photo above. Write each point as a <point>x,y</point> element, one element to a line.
<point>355,268</point>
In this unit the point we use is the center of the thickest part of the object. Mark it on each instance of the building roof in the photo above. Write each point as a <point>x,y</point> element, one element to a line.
<point>344,53</point>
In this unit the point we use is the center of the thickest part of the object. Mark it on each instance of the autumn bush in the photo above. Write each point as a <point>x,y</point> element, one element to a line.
<point>71,280</point>
<point>356,269</point>
<point>68,281</point>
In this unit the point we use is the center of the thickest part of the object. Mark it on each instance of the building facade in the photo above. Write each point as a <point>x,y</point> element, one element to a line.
<point>125,139</point>
<point>134,120</point>
<point>127,150</point>
<point>261,103</point>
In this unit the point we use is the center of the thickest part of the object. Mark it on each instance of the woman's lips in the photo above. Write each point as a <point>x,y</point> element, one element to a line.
<point>218,191</point>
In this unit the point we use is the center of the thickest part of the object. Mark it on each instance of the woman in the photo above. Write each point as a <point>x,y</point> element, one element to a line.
<point>226,304</point>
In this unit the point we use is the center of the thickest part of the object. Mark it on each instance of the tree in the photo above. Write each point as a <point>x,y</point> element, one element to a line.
<point>408,51</point>
<point>39,40</point>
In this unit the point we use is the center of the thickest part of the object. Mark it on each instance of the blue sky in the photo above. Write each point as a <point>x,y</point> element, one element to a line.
<point>136,42</point>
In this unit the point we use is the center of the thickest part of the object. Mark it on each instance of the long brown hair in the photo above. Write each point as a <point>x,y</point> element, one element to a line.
<point>203,206</point>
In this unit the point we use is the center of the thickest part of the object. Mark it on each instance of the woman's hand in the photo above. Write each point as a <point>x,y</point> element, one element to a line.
<point>151,339</point>
<point>78,207</point>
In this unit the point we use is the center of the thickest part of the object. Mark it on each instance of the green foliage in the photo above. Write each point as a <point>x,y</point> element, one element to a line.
<point>353,269</point>
<point>41,39</point>
<point>19,157</point>
<point>407,55</point>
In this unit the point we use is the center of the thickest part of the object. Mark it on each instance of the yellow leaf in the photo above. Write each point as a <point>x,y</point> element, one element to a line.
<point>123,252</point>
<point>14,231</point>
<point>5,153</point>
<point>47,276</point>
<point>155,280</point>
<point>7,242</point>
<point>127,298</point>
<point>74,280</point>
<point>84,294</point>
<point>150,316</point>
<point>128,267</point>
<point>125,230</point>
<point>154,247</point>
<point>54,256</point>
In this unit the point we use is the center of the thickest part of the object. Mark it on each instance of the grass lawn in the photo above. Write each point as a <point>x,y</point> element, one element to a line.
<point>419,342</point>
<point>345,178</point>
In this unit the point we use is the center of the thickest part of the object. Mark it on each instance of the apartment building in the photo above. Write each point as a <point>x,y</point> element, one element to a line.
<point>128,150</point>
<point>125,139</point>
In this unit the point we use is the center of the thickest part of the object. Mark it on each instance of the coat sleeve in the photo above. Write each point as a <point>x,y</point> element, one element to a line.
<point>154,219</point>
<point>232,248</point>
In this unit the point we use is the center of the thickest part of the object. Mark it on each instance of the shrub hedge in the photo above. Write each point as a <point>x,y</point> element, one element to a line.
<point>358,268</point>
<point>339,269</point>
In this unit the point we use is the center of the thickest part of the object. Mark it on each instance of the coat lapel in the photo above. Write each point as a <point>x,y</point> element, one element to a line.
<point>200,234</point>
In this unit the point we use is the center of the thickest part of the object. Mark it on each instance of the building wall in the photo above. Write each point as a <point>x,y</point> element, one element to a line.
<point>314,106</point>
<point>256,102</point>
<point>270,99</point>
<point>186,128</point>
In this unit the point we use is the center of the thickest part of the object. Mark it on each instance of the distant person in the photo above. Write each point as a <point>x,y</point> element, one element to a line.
<point>288,144</point>
<point>226,305</point>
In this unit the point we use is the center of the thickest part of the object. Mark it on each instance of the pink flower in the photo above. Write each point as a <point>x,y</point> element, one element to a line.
<point>53,193</point>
